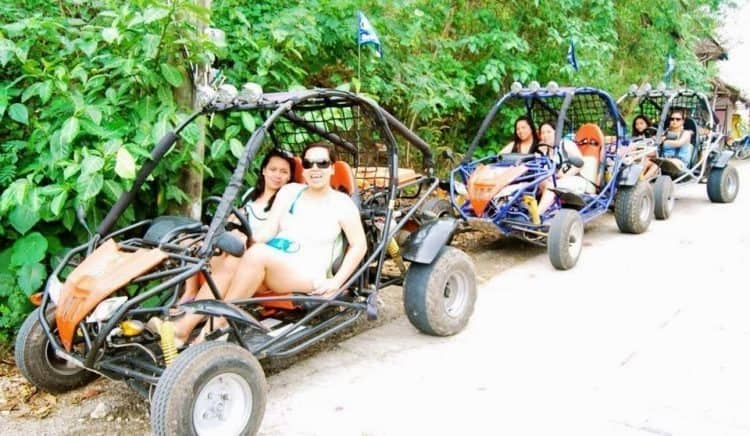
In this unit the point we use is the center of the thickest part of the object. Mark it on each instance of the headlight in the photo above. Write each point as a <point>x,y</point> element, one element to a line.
<point>226,94</point>
<point>106,308</point>
<point>205,95</point>
<point>516,87</point>
<point>251,92</point>
<point>54,287</point>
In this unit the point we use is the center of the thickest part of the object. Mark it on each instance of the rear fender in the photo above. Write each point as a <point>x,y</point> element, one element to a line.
<point>424,245</point>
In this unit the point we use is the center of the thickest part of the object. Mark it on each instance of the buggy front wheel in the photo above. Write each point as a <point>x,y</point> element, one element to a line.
<point>663,197</point>
<point>37,361</point>
<point>439,297</point>
<point>212,388</point>
<point>634,207</point>
<point>565,239</point>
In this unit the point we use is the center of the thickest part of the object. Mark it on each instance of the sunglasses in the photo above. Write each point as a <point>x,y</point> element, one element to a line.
<point>322,164</point>
<point>675,119</point>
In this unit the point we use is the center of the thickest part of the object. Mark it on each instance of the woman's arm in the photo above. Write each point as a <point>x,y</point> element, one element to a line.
<point>682,140</point>
<point>507,149</point>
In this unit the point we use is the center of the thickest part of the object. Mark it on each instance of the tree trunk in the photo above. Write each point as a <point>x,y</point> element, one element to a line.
<point>191,176</point>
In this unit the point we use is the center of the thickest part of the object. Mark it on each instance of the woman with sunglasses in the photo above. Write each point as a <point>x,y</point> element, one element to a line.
<point>680,146</point>
<point>311,218</point>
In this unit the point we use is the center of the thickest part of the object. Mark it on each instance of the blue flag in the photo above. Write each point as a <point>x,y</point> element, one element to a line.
<point>670,68</point>
<point>571,58</point>
<point>366,33</point>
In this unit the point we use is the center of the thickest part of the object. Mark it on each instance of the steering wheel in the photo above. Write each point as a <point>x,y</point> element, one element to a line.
<point>547,148</point>
<point>649,132</point>
<point>243,226</point>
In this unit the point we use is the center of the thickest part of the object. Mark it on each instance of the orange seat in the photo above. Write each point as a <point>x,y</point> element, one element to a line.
<point>590,140</point>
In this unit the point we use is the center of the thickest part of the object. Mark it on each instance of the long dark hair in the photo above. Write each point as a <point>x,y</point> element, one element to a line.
<point>260,184</point>
<point>517,140</point>
<point>640,117</point>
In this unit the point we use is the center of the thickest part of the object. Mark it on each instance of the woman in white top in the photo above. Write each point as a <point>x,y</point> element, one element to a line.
<point>310,218</point>
<point>564,178</point>
<point>276,170</point>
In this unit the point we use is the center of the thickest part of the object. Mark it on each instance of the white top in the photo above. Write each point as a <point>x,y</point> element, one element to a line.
<point>316,229</point>
<point>256,215</point>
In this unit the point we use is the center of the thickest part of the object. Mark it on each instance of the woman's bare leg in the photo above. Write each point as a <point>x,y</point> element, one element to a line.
<point>262,264</point>
<point>223,269</point>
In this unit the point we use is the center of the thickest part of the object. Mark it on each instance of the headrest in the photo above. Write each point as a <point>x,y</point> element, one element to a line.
<point>343,177</point>
<point>298,170</point>
<point>589,134</point>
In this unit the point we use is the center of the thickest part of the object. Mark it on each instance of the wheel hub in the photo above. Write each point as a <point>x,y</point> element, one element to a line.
<point>575,239</point>
<point>223,406</point>
<point>455,295</point>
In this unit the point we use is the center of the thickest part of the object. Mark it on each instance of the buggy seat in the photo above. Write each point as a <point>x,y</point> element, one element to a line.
<point>342,180</point>
<point>590,140</point>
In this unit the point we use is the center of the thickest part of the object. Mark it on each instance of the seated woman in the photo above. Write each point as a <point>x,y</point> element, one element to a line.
<point>640,127</point>
<point>524,137</point>
<point>311,216</point>
<point>565,178</point>
<point>680,147</point>
<point>276,170</point>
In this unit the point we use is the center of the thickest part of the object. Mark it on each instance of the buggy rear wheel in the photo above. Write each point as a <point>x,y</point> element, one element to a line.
<point>565,239</point>
<point>723,184</point>
<point>212,388</point>
<point>663,197</point>
<point>634,207</point>
<point>37,361</point>
<point>439,297</point>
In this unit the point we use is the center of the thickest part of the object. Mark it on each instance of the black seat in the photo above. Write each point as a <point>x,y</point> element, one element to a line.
<point>165,227</point>
<point>693,127</point>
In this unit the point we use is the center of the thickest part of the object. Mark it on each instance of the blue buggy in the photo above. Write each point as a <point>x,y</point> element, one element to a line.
<point>502,191</point>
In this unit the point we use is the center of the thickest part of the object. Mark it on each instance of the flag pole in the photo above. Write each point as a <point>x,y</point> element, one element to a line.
<point>359,67</point>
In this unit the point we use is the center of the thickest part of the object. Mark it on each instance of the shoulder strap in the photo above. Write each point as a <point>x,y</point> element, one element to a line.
<point>294,202</point>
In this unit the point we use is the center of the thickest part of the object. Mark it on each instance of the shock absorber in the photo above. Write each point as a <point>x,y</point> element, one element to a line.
<point>395,253</point>
<point>168,347</point>
<point>533,208</point>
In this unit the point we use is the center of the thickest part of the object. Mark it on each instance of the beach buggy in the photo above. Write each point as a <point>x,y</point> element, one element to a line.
<point>93,313</point>
<point>706,160</point>
<point>501,192</point>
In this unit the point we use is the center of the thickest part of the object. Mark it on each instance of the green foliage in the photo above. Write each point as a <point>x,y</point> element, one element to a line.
<point>86,88</point>
<point>82,85</point>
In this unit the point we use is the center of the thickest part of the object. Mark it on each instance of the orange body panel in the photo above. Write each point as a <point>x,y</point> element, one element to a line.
<point>106,270</point>
<point>486,181</point>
